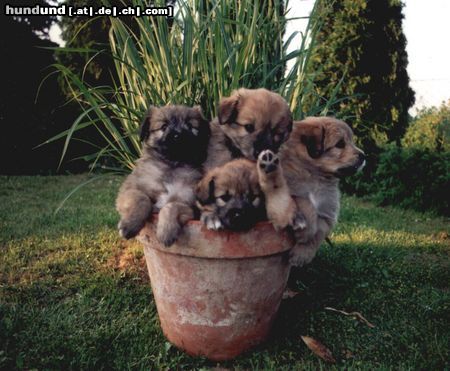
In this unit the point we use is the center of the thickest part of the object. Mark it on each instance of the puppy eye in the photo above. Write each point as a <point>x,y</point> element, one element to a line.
<point>255,201</point>
<point>340,144</point>
<point>192,128</point>
<point>225,197</point>
<point>250,128</point>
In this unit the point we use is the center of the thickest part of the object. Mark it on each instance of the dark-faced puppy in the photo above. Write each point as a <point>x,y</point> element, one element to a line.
<point>249,121</point>
<point>175,142</point>
<point>319,151</point>
<point>230,197</point>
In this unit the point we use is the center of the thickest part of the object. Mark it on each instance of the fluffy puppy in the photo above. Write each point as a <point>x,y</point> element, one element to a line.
<point>319,152</point>
<point>249,121</point>
<point>175,145</point>
<point>230,197</point>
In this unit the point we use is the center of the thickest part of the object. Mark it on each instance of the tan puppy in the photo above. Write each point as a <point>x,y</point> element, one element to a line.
<point>249,121</point>
<point>175,145</point>
<point>319,151</point>
<point>230,197</point>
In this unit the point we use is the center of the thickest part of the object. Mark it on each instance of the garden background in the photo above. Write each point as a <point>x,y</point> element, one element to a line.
<point>73,295</point>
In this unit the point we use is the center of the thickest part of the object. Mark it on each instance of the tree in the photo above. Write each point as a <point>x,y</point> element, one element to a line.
<point>31,106</point>
<point>23,122</point>
<point>362,43</point>
<point>87,50</point>
<point>40,25</point>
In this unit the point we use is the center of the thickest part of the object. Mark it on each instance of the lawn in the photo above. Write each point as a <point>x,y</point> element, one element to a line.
<point>73,295</point>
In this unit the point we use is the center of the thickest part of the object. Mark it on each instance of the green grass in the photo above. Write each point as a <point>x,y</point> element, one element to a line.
<point>64,302</point>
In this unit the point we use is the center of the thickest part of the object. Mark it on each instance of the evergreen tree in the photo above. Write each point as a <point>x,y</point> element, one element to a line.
<point>362,42</point>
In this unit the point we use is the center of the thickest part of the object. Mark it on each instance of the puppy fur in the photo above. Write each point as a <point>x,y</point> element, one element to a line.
<point>249,121</point>
<point>281,208</point>
<point>175,145</point>
<point>229,197</point>
<point>319,151</point>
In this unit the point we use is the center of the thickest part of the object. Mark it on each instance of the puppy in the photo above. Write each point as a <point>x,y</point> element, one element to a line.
<point>230,197</point>
<point>249,121</point>
<point>318,153</point>
<point>175,145</point>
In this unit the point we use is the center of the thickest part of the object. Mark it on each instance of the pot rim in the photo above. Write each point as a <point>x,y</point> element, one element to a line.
<point>199,242</point>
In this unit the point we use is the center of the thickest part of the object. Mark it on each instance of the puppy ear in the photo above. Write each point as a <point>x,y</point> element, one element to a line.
<point>205,190</point>
<point>228,109</point>
<point>313,137</point>
<point>199,111</point>
<point>145,125</point>
<point>289,127</point>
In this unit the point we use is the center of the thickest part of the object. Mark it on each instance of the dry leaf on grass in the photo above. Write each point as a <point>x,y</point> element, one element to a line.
<point>318,349</point>
<point>356,315</point>
<point>348,354</point>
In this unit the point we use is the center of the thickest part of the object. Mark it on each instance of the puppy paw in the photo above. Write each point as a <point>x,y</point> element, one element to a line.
<point>299,221</point>
<point>129,228</point>
<point>167,233</point>
<point>268,161</point>
<point>302,255</point>
<point>211,221</point>
<point>303,235</point>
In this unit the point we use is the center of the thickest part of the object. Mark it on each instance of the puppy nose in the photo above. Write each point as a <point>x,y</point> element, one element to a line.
<point>236,217</point>
<point>174,136</point>
<point>235,214</point>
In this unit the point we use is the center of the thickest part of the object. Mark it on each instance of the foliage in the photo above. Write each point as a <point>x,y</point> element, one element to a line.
<point>430,129</point>
<point>362,42</point>
<point>38,25</point>
<point>27,117</point>
<point>415,178</point>
<point>74,296</point>
<point>87,52</point>
<point>210,49</point>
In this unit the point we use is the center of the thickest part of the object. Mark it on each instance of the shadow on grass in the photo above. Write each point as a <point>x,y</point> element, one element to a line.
<point>405,294</point>
<point>109,319</point>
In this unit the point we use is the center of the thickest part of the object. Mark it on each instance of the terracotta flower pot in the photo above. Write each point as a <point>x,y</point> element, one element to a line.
<point>217,293</point>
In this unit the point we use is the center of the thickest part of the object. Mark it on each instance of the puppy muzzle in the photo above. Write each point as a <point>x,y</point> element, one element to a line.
<point>182,146</point>
<point>264,141</point>
<point>352,169</point>
<point>239,219</point>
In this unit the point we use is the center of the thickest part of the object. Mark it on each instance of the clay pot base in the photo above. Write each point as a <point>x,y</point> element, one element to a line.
<point>217,293</point>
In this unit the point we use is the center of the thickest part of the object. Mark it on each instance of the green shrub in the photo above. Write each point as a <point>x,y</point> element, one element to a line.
<point>430,129</point>
<point>408,177</point>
